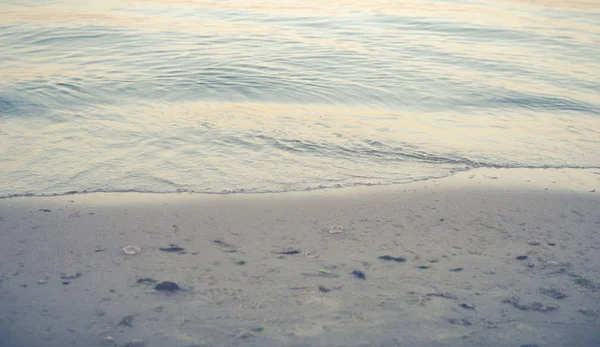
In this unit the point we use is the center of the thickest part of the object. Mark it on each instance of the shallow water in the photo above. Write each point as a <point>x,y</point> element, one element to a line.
<point>257,96</point>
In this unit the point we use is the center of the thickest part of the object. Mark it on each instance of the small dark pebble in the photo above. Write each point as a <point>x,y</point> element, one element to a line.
<point>457,269</point>
<point>390,258</point>
<point>423,267</point>
<point>295,251</point>
<point>522,257</point>
<point>551,244</point>
<point>146,280</point>
<point>44,210</point>
<point>167,286</point>
<point>65,283</point>
<point>467,306</point>
<point>127,321</point>
<point>529,345</point>
<point>461,321</point>
<point>258,329</point>
<point>359,274</point>
<point>172,249</point>
<point>441,219</point>
<point>240,262</point>
<point>324,289</point>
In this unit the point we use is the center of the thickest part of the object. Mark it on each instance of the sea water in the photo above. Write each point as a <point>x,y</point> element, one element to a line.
<point>281,95</point>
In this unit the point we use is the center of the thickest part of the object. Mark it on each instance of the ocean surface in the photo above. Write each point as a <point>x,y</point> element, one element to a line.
<point>281,95</point>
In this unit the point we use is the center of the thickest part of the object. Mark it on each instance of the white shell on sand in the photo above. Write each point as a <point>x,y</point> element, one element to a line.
<point>335,229</point>
<point>132,250</point>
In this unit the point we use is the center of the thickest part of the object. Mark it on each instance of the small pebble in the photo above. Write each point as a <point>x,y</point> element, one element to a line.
<point>467,306</point>
<point>390,258</point>
<point>127,321</point>
<point>457,269</point>
<point>172,249</point>
<point>292,252</point>
<point>533,242</point>
<point>522,257</point>
<point>335,229</point>
<point>359,274</point>
<point>132,250</point>
<point>324,289</point>
<point>167,286</point>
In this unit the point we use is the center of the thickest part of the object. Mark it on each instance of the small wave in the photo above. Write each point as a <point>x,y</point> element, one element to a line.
<point>469,166</point>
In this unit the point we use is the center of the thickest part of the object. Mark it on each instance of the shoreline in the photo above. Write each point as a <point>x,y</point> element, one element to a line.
<point>240,287</point>
<point>485,172</point>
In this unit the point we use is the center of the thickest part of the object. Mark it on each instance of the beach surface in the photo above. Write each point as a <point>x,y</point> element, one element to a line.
<point>487,257</point>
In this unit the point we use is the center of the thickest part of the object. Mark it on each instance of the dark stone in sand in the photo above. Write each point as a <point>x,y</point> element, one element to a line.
<point>127,321</point>
<point>467,306</point>
<point>457,269</point>
<point>460,321</point>
<point>295,251</point>
<point>553,293</point>
<point>324,289</point>
<point>522,257</point>
<point>146,280</point>
<point>65,283</point>
<point>390,258</point>
<point>167,286</point>
<point>423,267</point>
<point>44,210</point>
<point>359,274</point>
<point>172,249</point>
<point>529,345</point>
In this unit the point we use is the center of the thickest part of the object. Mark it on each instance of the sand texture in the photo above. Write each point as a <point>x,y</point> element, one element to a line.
<point>489,257</point>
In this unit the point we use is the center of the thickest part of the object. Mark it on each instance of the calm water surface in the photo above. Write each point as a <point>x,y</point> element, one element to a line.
<point>278,95</point>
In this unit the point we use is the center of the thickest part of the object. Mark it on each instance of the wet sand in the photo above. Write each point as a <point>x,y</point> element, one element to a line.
<point>461,283</point>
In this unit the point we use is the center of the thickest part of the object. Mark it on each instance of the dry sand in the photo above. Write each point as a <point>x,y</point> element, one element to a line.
<point>480,221</point>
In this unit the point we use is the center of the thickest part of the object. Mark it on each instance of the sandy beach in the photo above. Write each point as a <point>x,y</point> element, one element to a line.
<point>488,257</point>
